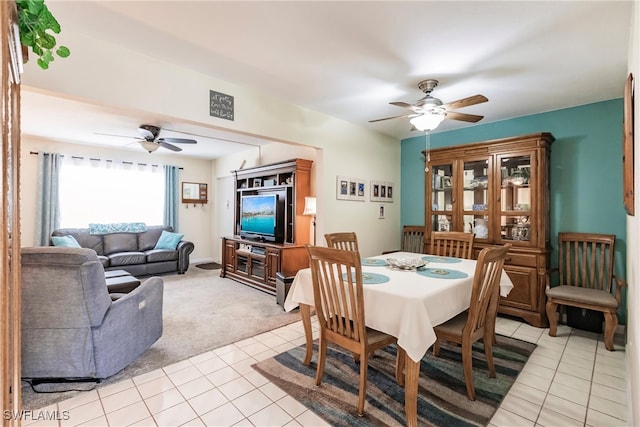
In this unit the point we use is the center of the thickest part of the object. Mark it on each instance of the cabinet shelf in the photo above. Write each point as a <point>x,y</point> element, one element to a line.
<point>516,213</point>
<point>515,187</point>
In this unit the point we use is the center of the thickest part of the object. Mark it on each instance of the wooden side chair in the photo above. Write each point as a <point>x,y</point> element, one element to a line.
<point>478,322</point>
<point>347,241</point>
<point>412,239</point>
<point>452,243</point>
<point>339,302</point>
<point>586,278</point>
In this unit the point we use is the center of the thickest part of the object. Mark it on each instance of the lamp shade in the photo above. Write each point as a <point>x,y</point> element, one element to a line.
<point>428,121</point>
<point>309,206</point>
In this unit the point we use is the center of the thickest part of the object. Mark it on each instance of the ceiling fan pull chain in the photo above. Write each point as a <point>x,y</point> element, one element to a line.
<point>427,137</point>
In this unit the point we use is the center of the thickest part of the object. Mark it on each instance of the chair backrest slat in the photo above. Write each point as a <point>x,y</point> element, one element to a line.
<point>452,243</point>
<point>413,238</point>
<point>486,285</point>
<point>346,241</point>
<point>338,291</point>
<point>586,260</point>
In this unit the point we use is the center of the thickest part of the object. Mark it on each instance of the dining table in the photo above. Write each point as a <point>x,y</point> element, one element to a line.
<point>405,303</point>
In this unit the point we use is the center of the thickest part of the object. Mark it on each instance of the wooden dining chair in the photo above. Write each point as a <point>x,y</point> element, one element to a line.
<point>347,241</point>
<point>478,322</point>
<point>586,279</point>
<point>412,240</point>
<point>339,301</point>
<point>452,243</point>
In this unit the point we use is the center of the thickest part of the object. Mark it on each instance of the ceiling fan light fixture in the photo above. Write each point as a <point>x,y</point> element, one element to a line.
<point>150,146</point>
<point>428,121</point>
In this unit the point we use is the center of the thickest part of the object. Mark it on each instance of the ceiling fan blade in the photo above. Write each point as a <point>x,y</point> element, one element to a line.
<point>177,140</point>
<point>388,118</point>
<point>169,146</point>
<point>454,115</point>
<point>148,132</point>
<point>401,104</point>
<point>116,136</point>
<point>466,102</point>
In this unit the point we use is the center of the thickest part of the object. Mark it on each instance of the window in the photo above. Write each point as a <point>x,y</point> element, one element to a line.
<point>99,191</point>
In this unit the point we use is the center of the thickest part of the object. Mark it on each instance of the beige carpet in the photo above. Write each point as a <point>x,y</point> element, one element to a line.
<point>201,312</point>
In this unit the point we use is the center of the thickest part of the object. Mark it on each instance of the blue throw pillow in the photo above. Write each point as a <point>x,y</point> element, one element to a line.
<point>168,240</point>
<point>65,241</point>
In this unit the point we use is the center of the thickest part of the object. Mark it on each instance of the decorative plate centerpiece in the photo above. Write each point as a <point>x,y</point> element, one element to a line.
<point>407,263</point>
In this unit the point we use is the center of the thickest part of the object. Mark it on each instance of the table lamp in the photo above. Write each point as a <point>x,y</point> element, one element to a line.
<point>310,209</point>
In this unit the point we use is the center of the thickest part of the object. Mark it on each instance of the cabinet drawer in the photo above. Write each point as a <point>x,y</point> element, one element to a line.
<point>525,260</point>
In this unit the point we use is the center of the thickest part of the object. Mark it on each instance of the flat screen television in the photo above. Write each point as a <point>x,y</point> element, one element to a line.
<point>260,217</point>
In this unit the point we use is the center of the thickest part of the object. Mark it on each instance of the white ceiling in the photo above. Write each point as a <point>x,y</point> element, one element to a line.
<point>350,59</point>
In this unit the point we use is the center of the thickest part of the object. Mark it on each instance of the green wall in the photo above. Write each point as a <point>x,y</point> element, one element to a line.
<point>586,169</point>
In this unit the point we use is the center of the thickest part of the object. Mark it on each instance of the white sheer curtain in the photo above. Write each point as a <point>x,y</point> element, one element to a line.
<point>105,191</point>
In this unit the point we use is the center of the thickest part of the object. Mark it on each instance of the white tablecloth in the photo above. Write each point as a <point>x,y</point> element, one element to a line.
<point>409,305</point>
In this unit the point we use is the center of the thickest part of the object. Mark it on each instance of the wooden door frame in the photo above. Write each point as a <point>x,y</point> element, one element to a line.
<point>10,309</point>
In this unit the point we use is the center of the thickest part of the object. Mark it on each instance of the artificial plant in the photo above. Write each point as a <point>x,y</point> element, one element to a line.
<point>36,25</point>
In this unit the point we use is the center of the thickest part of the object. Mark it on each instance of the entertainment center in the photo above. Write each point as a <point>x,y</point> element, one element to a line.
<point>270,229</point>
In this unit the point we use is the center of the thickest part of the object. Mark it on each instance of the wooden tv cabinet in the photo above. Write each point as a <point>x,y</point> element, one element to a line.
<point>256,263</point>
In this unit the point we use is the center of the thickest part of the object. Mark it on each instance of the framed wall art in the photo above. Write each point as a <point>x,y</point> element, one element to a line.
<point>382,191</point>
<point>194,192</point>
<point>627,148</point>
<point>348,188</point>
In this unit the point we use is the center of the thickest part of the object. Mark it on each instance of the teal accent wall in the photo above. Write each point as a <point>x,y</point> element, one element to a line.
<point>586,169</point>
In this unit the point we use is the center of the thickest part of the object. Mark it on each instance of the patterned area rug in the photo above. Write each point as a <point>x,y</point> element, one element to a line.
<point>442,397</point>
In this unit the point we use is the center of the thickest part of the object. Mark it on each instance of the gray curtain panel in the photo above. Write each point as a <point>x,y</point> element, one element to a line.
<point>171,196</point>
<point>48,208</point>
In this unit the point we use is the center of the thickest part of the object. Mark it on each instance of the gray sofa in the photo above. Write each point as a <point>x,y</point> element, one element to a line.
<point>134,252</point>
<point>70,326</point>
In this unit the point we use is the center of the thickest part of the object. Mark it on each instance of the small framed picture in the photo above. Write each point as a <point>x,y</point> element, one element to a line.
<point>381,191</point>
<point>381,212</point>
<point>257,182</point>
<point>344,187</point>
<point>348,188</point>
<point>446,182</point>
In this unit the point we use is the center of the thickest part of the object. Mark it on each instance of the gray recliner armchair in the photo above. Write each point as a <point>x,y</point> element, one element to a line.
<point>70,326</point>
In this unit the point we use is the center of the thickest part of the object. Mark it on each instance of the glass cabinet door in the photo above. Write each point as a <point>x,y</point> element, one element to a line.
<point>475,197</point>
<point>442,197</point>
<point>515,198</point>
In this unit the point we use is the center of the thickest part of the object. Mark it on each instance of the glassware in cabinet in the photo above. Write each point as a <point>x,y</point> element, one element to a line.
<point>515,197</point>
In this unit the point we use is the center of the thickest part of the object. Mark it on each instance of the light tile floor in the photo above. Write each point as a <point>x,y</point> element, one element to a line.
<point>569,380</point>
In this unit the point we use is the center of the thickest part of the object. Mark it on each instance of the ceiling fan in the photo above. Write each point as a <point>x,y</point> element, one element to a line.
<point>149,139</point>
<point>428,112</point>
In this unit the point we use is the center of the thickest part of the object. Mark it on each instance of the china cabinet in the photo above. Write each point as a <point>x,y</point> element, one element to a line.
<point>498,190</point>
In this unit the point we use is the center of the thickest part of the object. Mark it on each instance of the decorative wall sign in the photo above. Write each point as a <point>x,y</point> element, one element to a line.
<point>351,189</point>
<point>627,148</point>
<point>382,191</point>
<point>221,105</point>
